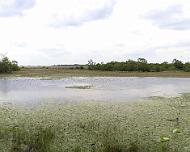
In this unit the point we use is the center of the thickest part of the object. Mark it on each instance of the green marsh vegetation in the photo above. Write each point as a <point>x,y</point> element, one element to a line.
<point>152,125</point>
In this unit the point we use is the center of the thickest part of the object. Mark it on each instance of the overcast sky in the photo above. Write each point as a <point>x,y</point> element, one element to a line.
<point>46,32</point>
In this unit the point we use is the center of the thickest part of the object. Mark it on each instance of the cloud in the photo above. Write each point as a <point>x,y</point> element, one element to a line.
<point>161,53</point>
<point>21,44</point>
<point>87,16</point>
<point>170,18</point>
<point>11,8</point>
<point>57,52</point>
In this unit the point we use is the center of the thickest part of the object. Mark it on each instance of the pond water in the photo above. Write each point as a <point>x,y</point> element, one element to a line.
<point>35,91</point>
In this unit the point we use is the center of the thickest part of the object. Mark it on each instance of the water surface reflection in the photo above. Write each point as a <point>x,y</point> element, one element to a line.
<point>34,91</point>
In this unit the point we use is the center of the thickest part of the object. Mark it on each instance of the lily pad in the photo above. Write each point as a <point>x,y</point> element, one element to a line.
<point>164,139</point>
<point>176,131</point>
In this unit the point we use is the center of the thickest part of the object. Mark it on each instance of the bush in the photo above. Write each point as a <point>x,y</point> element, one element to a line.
<point>141,65</point>
<point>7,66</point>
<point>187,67</point>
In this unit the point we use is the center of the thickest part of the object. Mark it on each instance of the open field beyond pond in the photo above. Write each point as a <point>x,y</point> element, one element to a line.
<point>61,73</point>
<point>152,125</point>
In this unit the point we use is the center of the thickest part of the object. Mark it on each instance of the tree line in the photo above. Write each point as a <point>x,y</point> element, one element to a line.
<point>7,66</point>
<point>140,65</point>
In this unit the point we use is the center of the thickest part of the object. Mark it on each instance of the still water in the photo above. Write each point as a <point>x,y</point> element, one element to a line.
<point>35,91</point>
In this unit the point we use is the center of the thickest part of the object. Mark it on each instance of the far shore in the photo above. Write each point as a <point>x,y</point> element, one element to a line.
<point>63,72</point>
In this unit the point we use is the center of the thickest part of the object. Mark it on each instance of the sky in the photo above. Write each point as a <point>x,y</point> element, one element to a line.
<point>49,32</point>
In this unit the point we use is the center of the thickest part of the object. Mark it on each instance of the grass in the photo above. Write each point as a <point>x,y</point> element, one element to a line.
<point>61,73</point>
<point>39,141</point>
<point>98,127</point>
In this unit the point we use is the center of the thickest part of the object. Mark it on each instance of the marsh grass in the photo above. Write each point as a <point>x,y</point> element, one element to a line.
<point>61,73</point>
<point>38,141</point>
<point>98,127</point>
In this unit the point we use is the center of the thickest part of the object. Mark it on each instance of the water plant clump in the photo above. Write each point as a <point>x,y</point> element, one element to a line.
<point>79,87</point>
<point>143,126</point>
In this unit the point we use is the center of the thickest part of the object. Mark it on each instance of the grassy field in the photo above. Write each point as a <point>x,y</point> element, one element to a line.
<point>61,73</point>
<point>150,125</point>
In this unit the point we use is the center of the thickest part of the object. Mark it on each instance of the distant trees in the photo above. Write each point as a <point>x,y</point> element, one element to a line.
<point>7,66</point>
<point>91,64</point>
<point>143,65</point>
<point>178,64</point>
<point>186,67</point>
<point>140,65</point>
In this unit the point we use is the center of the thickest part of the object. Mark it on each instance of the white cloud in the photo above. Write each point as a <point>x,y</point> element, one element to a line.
<point>172,18</point>
<point>88,15</point>
<point>9,8</point>
<point>109,30</point>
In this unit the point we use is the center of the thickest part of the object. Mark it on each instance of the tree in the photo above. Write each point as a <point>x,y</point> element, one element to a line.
<point>131,65</point>
<point>154,67</point>
<point>15,66</point>
<point>187,67</point>
<point>164,66</point>
<point>142,60</point>
<point>178,64</point>
<point>7,66</point>
<point>142,65</point>
<point>91,64</point>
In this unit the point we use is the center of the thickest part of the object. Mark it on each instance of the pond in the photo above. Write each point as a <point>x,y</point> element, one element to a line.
<point>76,89</point>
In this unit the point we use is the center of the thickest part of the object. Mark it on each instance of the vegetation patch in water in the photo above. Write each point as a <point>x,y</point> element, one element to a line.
<point>79,87</point>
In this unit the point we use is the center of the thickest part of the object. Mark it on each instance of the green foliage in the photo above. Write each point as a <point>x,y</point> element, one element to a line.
<point>187,67</point>
<point>178,64</point>
<point>143,65</point>
<point>131,65</point>
<point>140,65</point>
<point>7,66</point>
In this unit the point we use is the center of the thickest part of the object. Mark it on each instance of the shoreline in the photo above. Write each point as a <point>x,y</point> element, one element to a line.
<point>62,73</point>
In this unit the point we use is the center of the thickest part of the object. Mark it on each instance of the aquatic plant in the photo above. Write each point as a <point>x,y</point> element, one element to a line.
<point>96,127</point>
<point>38,140</point>
<point>79,87</point>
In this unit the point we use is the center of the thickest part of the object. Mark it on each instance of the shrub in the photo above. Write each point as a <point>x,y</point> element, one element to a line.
<point>7,66</point>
